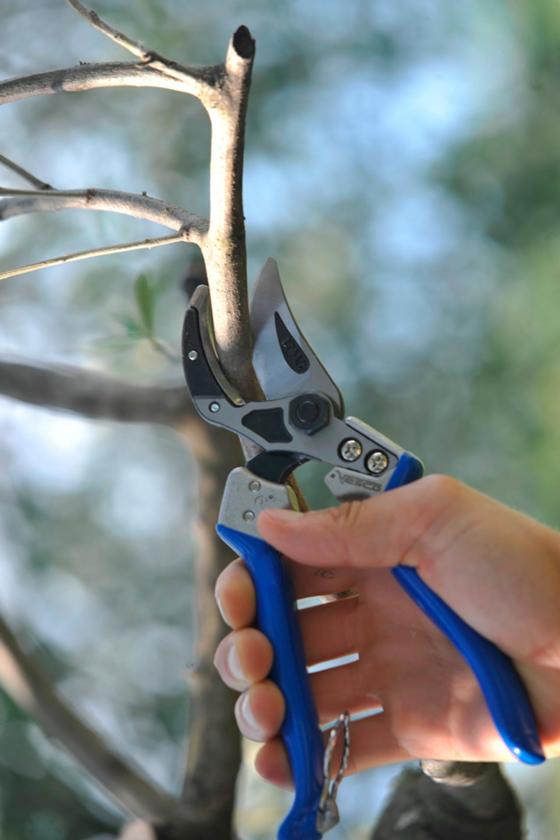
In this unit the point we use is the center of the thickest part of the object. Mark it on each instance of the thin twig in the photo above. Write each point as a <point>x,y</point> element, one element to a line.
<point>118,37</point>
<point>196,81</point>
<point>147,56</point>
<point>23,173</point>
<point>116,201</point>
<point>95,252</point>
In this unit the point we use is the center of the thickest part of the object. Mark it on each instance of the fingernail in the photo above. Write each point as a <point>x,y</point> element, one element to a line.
<point>220,607</point>
<point>233,664</point>
<point>246,719</point>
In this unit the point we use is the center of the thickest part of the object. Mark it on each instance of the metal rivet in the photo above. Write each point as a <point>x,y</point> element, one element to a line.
<point>214,407</point>
<point>254,486</point>
<point>248,515</point>
<point>377,462</point>
<point>193,355</point>
<point>350,449</point>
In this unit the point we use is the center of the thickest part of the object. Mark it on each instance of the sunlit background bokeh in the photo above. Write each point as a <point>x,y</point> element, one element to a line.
<point>403,166</point>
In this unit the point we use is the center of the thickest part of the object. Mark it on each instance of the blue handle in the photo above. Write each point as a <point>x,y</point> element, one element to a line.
<point>277,618</point>
<point>504,692</point>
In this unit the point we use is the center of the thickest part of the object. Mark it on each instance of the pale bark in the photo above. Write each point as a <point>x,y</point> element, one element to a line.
<point>113,201</point>
<point>224,249</point>
<point>108,250</point>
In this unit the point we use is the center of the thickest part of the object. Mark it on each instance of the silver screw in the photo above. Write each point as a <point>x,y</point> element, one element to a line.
<point>193,355</point>
<point>248,515</point>
<point>377,462</point>
<point>254,486</point>
<point>350,449</point>
<point>214,407</point>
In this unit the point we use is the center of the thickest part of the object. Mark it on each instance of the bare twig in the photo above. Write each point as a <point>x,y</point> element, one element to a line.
<point>95,252</point>
<point>118,37</point>
<point>115,201</point>
<point>196,81</point>
<point>28,686</point>
<point>95,395</point>
<point>23,173</point>
<point>147,56</point>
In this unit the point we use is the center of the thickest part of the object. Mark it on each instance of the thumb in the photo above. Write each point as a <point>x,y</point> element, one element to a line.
<point>378,532</point>
<point>499,569</point>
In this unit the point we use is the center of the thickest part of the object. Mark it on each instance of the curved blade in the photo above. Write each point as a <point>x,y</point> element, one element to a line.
<point>283,360</point>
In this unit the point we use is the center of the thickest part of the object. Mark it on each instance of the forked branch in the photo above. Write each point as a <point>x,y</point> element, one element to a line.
<point>223,89</point>
<point>118,37</point>
<point>23,173</point>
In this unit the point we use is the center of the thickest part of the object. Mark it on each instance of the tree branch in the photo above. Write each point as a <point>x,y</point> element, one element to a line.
<point>95,395</point>
<point>214,744</point>
<point>118,37</point>
<point>95,252</point>
<point>209,787</point>
<point>23,173</point>
<point>196,81</point>
<point>115,201</point>
<point>147,56</point>
<point>224,249</point>
<point>28,686</point>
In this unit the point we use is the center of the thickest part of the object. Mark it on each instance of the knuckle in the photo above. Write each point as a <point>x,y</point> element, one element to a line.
<point>342,522</point>
<point>345,516</point>
<point>442,489</point>
<point>442,500</point>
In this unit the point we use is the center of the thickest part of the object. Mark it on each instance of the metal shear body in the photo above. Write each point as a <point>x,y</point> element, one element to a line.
<point>302,419</point>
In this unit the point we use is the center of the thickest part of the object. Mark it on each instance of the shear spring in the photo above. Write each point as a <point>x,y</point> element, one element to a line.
<point>327,814</point>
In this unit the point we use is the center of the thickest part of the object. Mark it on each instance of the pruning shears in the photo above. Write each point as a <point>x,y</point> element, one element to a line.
<point>302,419</point>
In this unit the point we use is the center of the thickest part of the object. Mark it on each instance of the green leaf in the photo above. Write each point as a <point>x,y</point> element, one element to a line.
<point>145,300</point>
<point>133,327</point>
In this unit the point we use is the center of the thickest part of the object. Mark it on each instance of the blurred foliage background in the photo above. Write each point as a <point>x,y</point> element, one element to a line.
<point>403,165</point>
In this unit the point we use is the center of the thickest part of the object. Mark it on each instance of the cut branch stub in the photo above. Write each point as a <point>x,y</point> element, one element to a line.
<point>243,43</point>
<point>225,250</point>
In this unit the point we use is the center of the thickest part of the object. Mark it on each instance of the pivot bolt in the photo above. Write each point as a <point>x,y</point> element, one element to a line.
<point>193,355</point>
<point>377,462</point>
<point>248,515</point>
<point>350,449</point>
<point>310,413</point>
<point>254,486</point>
<point>214,407</point>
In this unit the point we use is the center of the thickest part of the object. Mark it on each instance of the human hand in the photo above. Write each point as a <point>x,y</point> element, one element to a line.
<point>498,569</point>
